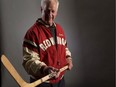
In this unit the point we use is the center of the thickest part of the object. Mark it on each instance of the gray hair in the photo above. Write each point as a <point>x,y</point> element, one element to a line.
<point>43,2</point>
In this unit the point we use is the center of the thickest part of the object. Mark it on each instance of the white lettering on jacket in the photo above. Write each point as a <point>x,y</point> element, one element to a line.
<point>49,42</point>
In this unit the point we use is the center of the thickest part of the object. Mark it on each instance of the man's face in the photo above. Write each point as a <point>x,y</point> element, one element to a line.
<point>49,12</point>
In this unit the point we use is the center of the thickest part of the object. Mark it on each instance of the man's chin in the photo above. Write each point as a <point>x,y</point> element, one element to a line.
<point>50,22</point>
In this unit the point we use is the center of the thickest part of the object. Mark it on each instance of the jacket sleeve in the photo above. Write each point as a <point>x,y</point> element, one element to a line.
<point>31,57</point>
<point>68,53</point>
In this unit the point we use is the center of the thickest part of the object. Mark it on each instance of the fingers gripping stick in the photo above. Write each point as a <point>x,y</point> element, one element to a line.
<point>19,79</point>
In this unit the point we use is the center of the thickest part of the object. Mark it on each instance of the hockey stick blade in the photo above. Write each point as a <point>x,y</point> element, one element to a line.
<point>12,71</point>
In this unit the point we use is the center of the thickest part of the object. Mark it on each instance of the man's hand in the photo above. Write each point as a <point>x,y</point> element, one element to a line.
<point>69,62</point>
<point>50,69</point>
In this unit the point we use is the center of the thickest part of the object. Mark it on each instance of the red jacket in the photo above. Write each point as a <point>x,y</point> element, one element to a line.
<point>40,49</point>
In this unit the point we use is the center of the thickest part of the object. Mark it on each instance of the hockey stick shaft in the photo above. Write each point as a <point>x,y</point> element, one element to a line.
<point>49,76</point>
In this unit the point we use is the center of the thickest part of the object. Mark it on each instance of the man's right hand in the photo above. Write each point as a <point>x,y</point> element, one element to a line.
<point>50,69</point>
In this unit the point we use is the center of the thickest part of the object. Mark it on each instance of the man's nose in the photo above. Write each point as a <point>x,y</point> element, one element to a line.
<point>50,13</point>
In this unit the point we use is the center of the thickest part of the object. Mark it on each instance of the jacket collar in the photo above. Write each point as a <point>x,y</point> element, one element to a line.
<point>46,25</point>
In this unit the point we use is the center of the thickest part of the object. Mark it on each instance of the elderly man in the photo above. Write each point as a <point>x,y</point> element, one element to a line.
<point>45,48</point>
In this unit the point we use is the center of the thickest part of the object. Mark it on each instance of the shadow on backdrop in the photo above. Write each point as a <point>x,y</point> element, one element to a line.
<point>0,41</point>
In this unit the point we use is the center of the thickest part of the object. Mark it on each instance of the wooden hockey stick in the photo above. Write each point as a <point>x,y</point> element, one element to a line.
<point>19,79</point>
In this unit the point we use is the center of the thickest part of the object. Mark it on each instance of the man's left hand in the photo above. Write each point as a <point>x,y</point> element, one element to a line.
<point>69,62</point>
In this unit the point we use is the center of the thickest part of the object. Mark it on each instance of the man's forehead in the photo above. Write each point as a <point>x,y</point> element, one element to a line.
<point>50,6</point>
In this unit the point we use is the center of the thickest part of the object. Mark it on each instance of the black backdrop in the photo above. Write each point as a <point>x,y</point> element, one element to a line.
<point>89,27</point>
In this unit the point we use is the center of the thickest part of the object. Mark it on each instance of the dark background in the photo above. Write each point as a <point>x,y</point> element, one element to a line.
<point>89,28</point>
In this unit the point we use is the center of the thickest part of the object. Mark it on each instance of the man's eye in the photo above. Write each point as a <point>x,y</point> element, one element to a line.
<point>47,11</point>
